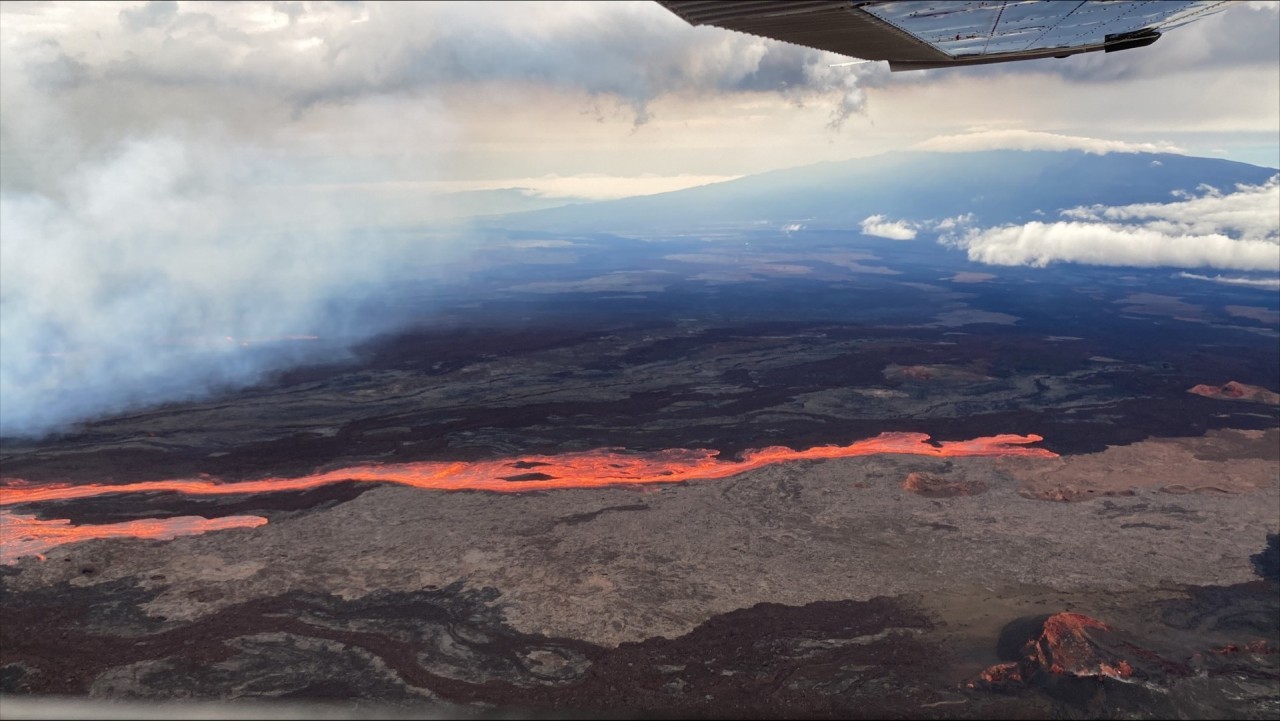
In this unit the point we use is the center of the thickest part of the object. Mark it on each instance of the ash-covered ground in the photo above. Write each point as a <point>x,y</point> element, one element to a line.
<point>881,585</point>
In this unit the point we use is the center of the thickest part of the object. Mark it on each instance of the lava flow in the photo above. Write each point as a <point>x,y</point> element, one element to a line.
<point>589,469</point>
<point>29,536</point>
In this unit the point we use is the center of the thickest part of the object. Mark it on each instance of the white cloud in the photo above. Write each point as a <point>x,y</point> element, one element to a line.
<point>1013,139</point>
<point>1250,212</point>
<point>1271,283</point>
<point>1235,231</point>
<point>317,53</point>
<point>592,186</point>
<point>1039,244</point>
<point>881,226</point>
<point>954,222</point>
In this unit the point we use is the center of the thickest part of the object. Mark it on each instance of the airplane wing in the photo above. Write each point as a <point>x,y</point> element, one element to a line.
<point>921,34</point>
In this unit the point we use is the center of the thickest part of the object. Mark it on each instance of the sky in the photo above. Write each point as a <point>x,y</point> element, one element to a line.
<point>181,180</point>
<point>571,99</point>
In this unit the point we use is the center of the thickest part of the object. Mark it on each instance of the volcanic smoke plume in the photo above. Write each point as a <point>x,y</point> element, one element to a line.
<point>154,275</point>
<point>165,171</point>
<point>23,535</point>
<point>145,255</point>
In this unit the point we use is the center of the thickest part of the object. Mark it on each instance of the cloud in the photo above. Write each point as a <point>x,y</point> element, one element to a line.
<point>1235,231</point>
<point>1270,283</point>
<point>1249,212</point>
<point>154,14</point>
<point>1039,244</point>
<point>845,84</point>
<point>591,186</point>
<point>953,222</point>
<point>881,226</point>
<point>634,52</point>
<point>1012,139</point>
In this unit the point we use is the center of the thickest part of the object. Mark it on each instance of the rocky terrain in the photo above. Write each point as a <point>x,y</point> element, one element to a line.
<point>934,486</point>
<point>931,508</point>
<point>1231,390</point>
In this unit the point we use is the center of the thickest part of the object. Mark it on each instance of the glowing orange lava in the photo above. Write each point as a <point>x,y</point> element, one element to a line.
<point>588,469</point>
<point>28,536</point>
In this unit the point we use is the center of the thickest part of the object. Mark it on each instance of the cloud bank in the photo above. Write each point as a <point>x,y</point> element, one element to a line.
<point>1249,212</point>
<point>1039,244</point>
<point>315,54</point>
<point>1013,139</point>
<point>1235,231</point>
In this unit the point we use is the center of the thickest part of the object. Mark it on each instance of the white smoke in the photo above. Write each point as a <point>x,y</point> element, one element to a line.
<point>147,258</point>
<point>187,190</point>
<point>156,274</point>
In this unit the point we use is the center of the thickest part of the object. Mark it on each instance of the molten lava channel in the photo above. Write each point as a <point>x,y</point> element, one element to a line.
<point>29,536</point>
<point>588,469</point>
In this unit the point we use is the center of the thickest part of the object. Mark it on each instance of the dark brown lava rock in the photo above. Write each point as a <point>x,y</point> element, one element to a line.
<point>933,486</point>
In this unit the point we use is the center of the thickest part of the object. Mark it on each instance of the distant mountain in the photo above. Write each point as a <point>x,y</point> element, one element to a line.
<point>997,186</point>
<point>490,202</point>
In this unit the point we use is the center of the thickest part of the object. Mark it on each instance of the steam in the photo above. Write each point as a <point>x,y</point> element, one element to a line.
<point>156,275</point>
<point>147,258</point>
<point>168,209</point>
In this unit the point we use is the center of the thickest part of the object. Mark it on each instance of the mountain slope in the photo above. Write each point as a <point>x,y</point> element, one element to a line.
<point>996,186</point>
